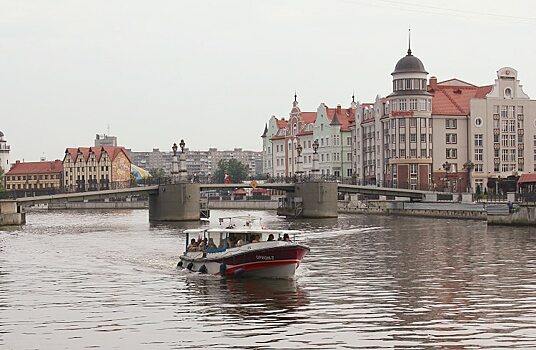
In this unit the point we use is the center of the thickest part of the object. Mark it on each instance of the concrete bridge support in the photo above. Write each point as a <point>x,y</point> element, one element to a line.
<point>11,214</point>
<point>175,202</point>
<point>319,199</point>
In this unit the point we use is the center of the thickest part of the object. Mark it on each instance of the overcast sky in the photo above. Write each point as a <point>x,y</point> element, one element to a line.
<point>213,72</point>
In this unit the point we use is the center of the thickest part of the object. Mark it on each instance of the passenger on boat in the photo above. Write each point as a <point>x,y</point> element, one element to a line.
<point>193,247</point>
<point>271,237</point>
<point>286,238</point>
<point>255,239</point>
<point>211,244</point>
<point>203,245</point>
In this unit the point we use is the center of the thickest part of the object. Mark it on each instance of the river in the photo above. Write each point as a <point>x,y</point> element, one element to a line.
<point>75,279</point>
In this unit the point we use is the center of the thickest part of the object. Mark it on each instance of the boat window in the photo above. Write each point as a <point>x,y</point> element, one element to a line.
<point>216,241</point>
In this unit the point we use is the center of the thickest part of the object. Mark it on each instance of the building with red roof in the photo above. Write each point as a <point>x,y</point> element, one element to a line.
<point>330,126</point>
<point>34,176</point>
<point>94,168</point>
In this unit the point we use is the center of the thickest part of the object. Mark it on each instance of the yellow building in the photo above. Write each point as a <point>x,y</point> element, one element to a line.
<point>96,168</point>
<point>34,176</point>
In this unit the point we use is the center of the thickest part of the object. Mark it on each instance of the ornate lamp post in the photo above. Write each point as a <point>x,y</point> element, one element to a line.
<point>174,165</point>
<point>182,144</point>
<point>174,148</point>
<point>183,175</point>
<point>315,169</point>
<point>299,170</point>
<point>446,167</point>
<point>469,166</point>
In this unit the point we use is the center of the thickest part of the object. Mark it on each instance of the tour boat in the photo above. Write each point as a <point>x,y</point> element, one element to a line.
<point>242,252</point>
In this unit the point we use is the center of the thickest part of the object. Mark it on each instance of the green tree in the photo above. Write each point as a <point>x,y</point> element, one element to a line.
<point>157,173</point>
<point>237,171</point>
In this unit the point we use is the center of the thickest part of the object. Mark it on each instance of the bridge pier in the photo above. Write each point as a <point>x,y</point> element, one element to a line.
<point>11,214</point>
<point>311,200</point>
<point>175,202</point>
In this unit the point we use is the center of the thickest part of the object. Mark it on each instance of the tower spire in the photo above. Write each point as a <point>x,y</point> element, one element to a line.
<point>353,96</point>
<point>409,41</point>
<point>295,96</point>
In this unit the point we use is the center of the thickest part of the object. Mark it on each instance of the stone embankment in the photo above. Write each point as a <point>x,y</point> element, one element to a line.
<point>471,211</point>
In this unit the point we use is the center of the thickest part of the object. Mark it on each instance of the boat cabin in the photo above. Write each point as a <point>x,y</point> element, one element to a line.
<point>219,240</point>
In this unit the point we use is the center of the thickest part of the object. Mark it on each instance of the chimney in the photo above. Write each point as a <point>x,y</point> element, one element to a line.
<point>338,109</point>
<point>433,83</point>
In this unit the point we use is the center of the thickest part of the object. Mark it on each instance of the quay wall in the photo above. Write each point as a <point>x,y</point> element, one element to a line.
<point>524,216</point>
<point>433,210</point>
<point>249,205</point>
<point>12,219</point>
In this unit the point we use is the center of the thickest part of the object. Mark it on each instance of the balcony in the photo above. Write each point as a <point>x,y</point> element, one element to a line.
<point>496,161</point>
<point>520,117</point>
<point>496,131</point>
<point>520,131</point>
<point>496,146</point>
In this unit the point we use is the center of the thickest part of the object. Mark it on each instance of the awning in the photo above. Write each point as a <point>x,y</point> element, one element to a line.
<point>138,172</point>
<point>526,178</point>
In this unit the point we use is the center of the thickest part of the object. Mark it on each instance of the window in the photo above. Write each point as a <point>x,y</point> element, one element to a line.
<point>413,104</point>
<point>403,104</point>
<point>519,110</point>
<point>504,111</point>
<point>413,169</point>
<point>451,153</point>
<point>423,152</point>
<point>413,153</point>
<point>479,140</point>
<point>504,155</point>
<point>511,126</point>
<point>452,138</point>
<point>478,168</point>
<point>504,140</point>
<point>422,105</point>
<point>402,138</point>
<point>478,121</point>
<point>412,137</point>
<point>478,154</point>
<point>423,123</point>
<point>413,123</point>
<point>402,153</point>
<point>512,141</point>
<point>402,122</point>
<point>451,124</point>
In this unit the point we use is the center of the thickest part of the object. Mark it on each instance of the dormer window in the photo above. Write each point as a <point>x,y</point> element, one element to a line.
<point>508,93</point>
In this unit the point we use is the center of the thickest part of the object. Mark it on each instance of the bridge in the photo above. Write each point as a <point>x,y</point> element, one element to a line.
<point>180,200</point>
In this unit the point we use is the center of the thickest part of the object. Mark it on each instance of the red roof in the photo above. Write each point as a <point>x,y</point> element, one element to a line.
<point>50,167</point>
<point>527,178</point>
<point>281,123</point>
<point>308,117</point>
<point>455,100</point>
<point>343,115</point>
<point>112,151</point>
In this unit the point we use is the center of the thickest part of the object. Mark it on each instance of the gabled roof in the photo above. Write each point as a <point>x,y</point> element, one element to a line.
<point>85,152</point>
<point>451,99</point>
<point>49,167</point>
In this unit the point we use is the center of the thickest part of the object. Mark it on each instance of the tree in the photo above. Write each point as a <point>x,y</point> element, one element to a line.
<point>237,171</point>
<point>157,174</point>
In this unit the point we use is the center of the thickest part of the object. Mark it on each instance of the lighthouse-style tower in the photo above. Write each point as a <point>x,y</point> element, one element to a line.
<point>4,153</point>
<point>409,125</point>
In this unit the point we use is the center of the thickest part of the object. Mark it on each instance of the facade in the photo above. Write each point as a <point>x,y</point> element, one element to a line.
<point>446,136</point>
<point>330,126</point>
<point>4,153</point>
<point>105,140</point>
<point>502,134</point>
<point>34,176</point>
<point>96,168</point>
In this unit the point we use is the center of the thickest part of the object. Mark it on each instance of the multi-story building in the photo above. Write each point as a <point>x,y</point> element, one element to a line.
<point>93,168</point>
<point>502,134</point>
<point>105,140</point>
<point>198,163</point>
<point>408,126</point>
<point>4,153</point>
<point>34,176</point>
<point>449,135</point>
<point>330,126</point>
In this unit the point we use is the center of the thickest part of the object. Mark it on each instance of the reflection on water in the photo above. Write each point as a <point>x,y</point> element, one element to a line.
<point>108,279</point>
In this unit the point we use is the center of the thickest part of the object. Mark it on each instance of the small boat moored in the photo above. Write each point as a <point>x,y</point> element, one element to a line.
<point>242,252</point>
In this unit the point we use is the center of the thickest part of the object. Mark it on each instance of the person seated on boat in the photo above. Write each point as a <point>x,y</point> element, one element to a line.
<point>211,244</point>
<point>270,237</point>
<point>193,247</point>
<point>286,238</point>
<point>203,245</point>
<point>255,239</point>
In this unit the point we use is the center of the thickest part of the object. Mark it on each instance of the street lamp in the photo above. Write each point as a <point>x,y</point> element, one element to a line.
<point>315,146</point>
<point>446,167</point>
<point>174,148</point>
<point>299,149</point>
<point>469,166</point>
<point>182,144</point>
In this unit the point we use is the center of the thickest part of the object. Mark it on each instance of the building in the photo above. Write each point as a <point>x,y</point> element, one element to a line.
<point>4,153</point>
<point>105,140</point>
<point>330,126</point>
<point>450,135</point>
<point>502,134</point>
<point>96,168</point>
<point>34,176</point>
<point>202,164</point>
